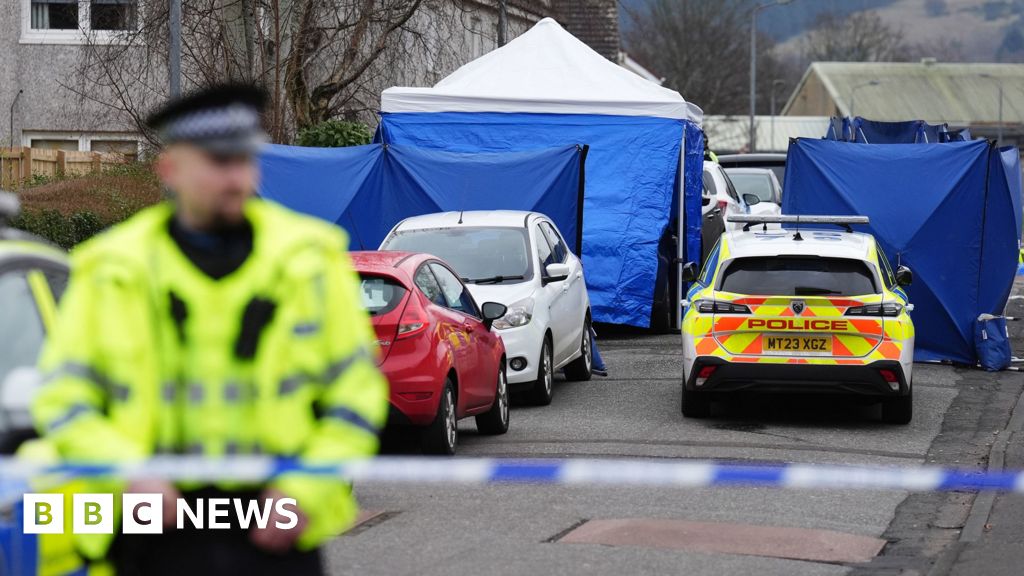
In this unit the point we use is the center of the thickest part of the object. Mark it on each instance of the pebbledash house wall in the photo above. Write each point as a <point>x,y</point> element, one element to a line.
<point>46,110</point>
<point>43,65</point>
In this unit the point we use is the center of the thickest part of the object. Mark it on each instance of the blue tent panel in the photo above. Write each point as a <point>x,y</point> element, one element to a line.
<point>632,169</point>
<point>545,181</point>
<point>1010,156</point>
<point>321,182</point>
<point>369,189</point>
<point>693,171</point>
<point>876,132</point>
<point>927,207</point>
<point>1002,232</point>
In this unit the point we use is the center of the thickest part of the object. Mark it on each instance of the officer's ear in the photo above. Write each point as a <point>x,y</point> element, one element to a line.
<point>164,166</point>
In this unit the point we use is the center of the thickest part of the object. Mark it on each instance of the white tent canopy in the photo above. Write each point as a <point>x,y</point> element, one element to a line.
<point>546,70</point>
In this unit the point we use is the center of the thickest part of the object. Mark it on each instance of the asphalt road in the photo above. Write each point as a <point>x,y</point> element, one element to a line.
<point>453,530</point>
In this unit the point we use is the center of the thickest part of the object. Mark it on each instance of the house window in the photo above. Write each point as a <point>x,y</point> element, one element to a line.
<point>54,14</point>
<point>77,21</point>
<point>54,144</point>
<point>112,14</point>
<point>130,148</point>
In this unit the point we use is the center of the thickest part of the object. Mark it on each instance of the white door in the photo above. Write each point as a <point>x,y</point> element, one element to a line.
<point>566,315</point>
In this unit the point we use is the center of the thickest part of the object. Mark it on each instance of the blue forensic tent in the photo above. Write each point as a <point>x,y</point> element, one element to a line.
<point>547,88</point>
<point>866,131</point>
<point>950,212</point>
<point>368,189</point>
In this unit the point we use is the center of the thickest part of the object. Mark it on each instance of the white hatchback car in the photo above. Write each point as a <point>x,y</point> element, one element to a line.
<point>520,260</point>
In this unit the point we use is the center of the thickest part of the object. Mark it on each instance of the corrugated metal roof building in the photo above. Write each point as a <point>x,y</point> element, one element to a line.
<point>959,94</point>
<point>731,134</point>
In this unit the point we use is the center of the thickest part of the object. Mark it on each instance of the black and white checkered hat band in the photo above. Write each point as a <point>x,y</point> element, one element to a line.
<point>235,120</point>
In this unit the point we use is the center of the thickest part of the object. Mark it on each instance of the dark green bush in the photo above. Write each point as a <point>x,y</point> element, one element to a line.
<point>335,134</point>
<point>64,231</point>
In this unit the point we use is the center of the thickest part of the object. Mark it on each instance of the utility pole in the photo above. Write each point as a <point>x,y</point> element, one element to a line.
<point>174,56</point>
<point>753,67</point>
<point>502,22</point>
<point>776,82</point>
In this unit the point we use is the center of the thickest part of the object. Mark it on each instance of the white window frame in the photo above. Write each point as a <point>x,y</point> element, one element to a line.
<point>83,35</point>
<point>85,139</point>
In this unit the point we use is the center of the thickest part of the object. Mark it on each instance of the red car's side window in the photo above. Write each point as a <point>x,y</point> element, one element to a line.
<point>426,282</point>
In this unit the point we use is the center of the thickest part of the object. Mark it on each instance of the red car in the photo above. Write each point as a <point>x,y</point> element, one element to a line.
<point>436,347</point>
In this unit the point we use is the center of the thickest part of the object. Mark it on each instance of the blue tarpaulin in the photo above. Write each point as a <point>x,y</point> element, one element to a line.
<point>866,131</point>
<point>632,183</point>
<point>950,212</point>
<point>368,189</point>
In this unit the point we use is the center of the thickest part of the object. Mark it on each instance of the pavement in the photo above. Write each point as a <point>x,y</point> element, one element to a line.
<point>963,418</point>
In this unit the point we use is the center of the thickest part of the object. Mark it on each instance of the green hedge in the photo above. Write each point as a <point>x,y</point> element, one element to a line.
<point>64,231</point>
<point>335,134</point>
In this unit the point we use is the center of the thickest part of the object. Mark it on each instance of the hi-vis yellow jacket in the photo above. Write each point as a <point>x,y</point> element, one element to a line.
<point>146,358</point>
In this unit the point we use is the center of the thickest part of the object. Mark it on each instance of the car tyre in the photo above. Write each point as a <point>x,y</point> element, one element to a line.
<point>495,420</point>
<point>442,435</point>
<point>581,369</point>
<point>899,410</point>
<point>543,388</point>
<point>695,404</point>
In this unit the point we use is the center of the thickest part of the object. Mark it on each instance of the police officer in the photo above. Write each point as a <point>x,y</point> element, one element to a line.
<point>215,324</point>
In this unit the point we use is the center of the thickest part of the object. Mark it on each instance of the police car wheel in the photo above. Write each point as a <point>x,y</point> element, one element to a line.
<point>696,404</point>
<point>442,436</point>
<point>580,369</point>
<point>899,410</point>
<point>495,420</point>
<point>543,388</point>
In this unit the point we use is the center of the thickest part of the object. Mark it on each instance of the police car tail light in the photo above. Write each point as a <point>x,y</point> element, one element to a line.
<point>716,307</point>
<point>414,320</point>
<point>889,376</point>
<point>722,205</point>
<point>890,309</point>
<point>704,373</point>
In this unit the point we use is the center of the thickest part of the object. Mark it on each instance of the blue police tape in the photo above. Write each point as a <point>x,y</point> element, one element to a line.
<point>17,476</point>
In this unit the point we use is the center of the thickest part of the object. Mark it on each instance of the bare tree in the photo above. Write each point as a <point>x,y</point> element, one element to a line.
<point>703,51</point>
<point>859,37</point>
<point>318,59</point>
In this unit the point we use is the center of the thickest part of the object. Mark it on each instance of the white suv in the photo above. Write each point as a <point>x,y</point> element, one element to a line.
<point>520,260</point>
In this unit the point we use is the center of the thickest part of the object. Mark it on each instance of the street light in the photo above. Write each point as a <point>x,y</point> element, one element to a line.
<point>999,83</point>
<point>776,82</point>
<point>753,65</point>
<point>853,94</point>
<point>174,47</point>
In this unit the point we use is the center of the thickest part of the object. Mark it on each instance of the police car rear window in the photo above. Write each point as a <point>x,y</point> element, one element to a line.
<point>798,276</point>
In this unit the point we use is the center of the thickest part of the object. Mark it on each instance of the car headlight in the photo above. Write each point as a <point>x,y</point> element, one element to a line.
<point>518,314</point>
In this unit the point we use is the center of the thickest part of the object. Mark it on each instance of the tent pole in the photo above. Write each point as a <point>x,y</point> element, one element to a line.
<point>677,313</point>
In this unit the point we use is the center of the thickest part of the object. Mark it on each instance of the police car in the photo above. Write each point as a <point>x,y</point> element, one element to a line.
<point>32,278</point>
<point>798,310</point>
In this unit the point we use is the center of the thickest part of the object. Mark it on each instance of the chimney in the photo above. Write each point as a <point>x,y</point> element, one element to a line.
<point>595,22</point>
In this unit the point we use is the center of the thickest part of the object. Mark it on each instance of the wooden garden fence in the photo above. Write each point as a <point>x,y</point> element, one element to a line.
<point>20,164</point>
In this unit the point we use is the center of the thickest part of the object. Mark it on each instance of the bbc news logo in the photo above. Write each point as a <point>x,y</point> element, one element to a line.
<point>143,513</point>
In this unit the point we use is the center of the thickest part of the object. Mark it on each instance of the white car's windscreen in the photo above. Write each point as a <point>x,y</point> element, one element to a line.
<point>798,276</point>
<point>482,255</point>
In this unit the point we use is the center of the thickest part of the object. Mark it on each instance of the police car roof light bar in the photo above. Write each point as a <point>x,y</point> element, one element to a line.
<point>749,220</point>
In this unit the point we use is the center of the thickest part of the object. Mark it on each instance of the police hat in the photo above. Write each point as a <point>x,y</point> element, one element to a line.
<point>223,119</point>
